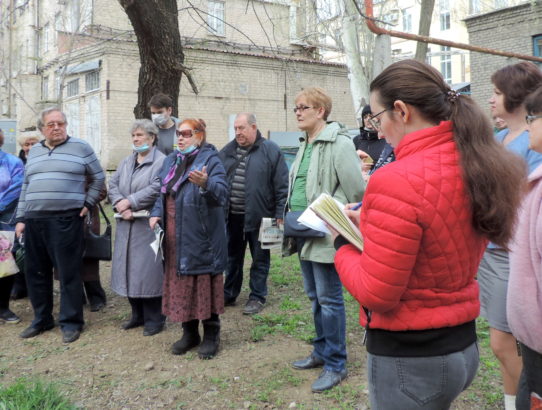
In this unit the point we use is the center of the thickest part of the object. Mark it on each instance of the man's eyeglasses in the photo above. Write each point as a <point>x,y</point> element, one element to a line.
<point>186,133</point>
<point>53,124</point>
<point>531,118</point>
<point>374,121</point>
<point>301,108</point>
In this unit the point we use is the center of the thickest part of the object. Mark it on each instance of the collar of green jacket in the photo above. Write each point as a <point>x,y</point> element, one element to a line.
<point>329,133</point>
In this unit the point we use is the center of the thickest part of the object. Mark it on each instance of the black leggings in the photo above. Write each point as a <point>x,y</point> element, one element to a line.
<point>5,290</point>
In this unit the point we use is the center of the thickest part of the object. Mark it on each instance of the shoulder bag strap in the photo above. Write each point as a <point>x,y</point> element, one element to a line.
<point>103,214</point>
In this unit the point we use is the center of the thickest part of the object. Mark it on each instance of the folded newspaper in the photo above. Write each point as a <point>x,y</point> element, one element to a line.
<point>156,245</point>
<point>271,234</point>
<point>136,214</point>
<point>331,211</point>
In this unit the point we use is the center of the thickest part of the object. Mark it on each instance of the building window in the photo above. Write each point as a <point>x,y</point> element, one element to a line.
<point>58,22</point>
<point>45,45</point>
<point>92,81</point>
<point>446,63</point>
<point>92,122</point>
<point>499,4</point>
<point>474,6</point>
<point>407,21</point>
<point>72,88</point>
<point>45,89</point>
<point>444,15</point>
<point>78,15</point>
<point>537,45</point>
<point>392,17</point>
<point>72,115</point>
<point>215,19</point>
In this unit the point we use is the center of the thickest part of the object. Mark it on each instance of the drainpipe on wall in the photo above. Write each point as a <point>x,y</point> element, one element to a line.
<point>369,18</point>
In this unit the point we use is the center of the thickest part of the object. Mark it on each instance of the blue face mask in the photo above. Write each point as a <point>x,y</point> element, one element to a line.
<point>187,150</point>
<point>141,148</point>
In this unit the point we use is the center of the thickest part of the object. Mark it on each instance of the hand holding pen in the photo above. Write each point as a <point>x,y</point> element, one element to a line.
<point>352,211</point>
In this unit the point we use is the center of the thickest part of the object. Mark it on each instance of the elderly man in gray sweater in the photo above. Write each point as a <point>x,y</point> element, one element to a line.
<point>51,213</point>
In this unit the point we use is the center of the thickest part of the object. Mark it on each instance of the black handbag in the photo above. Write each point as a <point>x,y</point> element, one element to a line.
<point>293,228</point>
<point>98,246</point>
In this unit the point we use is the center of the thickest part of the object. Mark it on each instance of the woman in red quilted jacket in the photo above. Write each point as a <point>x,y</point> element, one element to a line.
<point>426,219</point>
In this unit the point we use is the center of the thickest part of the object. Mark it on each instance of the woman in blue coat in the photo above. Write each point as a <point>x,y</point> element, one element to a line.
<point>193,193</point>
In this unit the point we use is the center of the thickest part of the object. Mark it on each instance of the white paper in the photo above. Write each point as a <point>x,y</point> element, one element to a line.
<point>310,219</point>
<point>156,245</point>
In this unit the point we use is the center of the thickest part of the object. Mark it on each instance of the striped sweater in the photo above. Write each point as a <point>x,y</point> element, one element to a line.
<point>55,179</point>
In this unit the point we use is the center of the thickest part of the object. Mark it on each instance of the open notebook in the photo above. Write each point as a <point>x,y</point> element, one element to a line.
<point>331,211</point>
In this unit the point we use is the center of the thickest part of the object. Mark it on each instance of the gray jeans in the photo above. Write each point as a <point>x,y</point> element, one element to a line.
<point>420,382</point>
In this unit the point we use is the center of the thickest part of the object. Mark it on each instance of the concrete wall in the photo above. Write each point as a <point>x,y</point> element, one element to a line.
<point>229,83</point>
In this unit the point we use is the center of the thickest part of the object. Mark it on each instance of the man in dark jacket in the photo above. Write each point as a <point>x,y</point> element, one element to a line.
<point>367,142</point>
<point>258,180</point>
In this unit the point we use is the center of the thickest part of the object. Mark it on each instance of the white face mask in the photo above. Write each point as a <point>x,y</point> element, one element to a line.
<point>160,119</point>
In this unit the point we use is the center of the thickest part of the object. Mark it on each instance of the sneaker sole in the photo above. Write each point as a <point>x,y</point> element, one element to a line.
<point>13,322</point>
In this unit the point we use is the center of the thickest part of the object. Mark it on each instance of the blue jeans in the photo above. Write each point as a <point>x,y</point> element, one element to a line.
<point>324,289</point>
<point>429,383</point>
<point>261,260</point>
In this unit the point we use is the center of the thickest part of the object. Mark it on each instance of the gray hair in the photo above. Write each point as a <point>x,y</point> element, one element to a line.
<point>251,118</point>
<point>147,126</point>
<point>47,111</point>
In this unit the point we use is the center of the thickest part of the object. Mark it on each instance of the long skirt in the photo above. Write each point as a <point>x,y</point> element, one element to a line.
<point>187,297</point>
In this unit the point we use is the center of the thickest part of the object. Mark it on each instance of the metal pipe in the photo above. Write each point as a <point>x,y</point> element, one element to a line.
<point>369,18</point>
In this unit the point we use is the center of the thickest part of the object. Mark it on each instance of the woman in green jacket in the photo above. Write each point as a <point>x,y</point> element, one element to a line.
<point>326,162</point>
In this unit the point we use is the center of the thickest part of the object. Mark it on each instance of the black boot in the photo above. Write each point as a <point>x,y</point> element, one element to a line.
<point>211,338</point>
<point>19,287</point>
<point>95,295</point>
<point>190,339</point>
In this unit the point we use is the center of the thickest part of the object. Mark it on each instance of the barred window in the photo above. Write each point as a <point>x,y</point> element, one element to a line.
<point>72,88</point>
<point>92,81</point>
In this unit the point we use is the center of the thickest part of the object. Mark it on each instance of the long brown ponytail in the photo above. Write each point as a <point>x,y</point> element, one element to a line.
<point>494,178</point>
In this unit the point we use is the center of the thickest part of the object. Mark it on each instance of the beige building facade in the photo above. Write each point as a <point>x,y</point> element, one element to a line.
<point>448,23</point>
<point>82,55</point>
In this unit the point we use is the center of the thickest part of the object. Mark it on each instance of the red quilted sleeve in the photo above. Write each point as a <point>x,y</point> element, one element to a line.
<point>378,277</point>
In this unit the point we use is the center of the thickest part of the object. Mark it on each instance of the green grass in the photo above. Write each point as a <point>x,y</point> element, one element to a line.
<point>267,390</point>
<point>27,394</point>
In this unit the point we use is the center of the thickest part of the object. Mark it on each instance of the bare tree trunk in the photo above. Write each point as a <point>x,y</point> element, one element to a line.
<point>426,12</point>
<point>359,82</point>
<point>156,27</point>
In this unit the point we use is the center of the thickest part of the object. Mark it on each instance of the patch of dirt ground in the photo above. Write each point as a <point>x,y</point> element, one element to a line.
<point>112,368</point>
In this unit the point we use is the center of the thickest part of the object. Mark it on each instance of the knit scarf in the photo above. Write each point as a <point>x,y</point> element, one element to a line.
<point>173,178</point>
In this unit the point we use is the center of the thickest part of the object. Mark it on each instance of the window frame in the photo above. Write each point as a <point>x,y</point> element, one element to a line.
<point>215,23</point>
<point>407,20</point>
<point>70,88</point>
<point>537,48</point>
<point>446,63</point>
<point>92,78</point>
